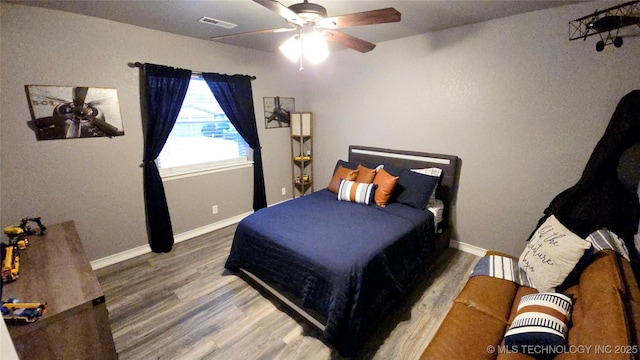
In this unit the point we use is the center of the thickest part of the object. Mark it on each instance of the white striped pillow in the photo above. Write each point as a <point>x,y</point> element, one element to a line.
<point>356,192</point>
<point>541,319</point>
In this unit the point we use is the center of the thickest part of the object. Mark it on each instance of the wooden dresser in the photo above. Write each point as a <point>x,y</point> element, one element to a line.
<point>54,269</point>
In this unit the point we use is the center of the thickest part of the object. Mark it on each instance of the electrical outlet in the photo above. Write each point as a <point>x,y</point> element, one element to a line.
<point>284,191</point>
<point>214,209</point>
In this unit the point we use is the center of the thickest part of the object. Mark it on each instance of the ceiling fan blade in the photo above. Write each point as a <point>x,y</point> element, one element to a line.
<point>349,41</point>
<point>379,16</point>
<point>283,11</point>
<point>255,32</point>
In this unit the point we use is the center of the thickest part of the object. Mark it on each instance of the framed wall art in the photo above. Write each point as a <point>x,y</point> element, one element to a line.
<point>277,110</point>
<point>67,112</point>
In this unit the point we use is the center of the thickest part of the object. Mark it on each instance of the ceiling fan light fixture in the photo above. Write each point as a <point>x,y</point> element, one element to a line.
<point>291,48</point>
<point>314,47</point>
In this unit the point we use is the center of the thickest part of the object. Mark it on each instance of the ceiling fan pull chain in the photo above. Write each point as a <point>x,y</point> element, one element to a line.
<point>301,48</point>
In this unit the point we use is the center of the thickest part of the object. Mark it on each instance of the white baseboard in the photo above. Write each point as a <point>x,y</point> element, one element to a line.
<point>209,228</point>
<point>468,248</point>
<point>144,249</point>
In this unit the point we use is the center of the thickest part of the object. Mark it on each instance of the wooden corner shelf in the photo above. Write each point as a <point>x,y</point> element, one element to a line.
<point>301,153</point>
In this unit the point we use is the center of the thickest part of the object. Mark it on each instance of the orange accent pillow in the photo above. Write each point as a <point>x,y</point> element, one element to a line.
<point>365,175</point>
<point>386,183</point>
<point>340,174</point>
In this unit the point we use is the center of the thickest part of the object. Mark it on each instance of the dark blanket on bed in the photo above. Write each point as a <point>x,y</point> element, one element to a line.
<point>600,199</point>
<point>349,262</point>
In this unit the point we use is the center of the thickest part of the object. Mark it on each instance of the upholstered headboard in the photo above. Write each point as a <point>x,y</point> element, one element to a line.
<point>448,186</point>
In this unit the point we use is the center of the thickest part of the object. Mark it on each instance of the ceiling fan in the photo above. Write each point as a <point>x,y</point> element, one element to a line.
<point>313,25</point>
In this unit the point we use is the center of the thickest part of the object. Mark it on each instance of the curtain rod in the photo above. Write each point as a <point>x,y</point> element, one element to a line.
<point>140,65</point>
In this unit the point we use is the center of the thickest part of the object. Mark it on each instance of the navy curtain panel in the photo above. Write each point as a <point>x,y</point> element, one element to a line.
<point>165,89</point>
<point>235,96</point>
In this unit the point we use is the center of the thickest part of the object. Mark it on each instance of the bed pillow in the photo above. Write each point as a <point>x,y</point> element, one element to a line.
<point>340,174</point>
<point>358,192</point>
<point>346,164</point>
<point>433,171</point>
<point>391,169</point>
<point>415,189</point>
<point>365,175</point>
<point>551,254</point>
<point>540,324</point>
<point>386,183</point>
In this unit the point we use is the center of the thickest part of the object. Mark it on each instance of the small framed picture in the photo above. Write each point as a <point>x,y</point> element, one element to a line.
<point>68,112</point>
<point>277,110</point>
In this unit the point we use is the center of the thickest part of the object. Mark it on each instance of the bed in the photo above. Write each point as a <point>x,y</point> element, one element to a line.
<point>344,265</point>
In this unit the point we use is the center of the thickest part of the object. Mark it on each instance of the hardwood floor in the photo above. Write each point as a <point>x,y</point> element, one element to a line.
<point>185,305</point>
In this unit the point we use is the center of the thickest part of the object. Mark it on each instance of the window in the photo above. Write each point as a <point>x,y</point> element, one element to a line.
<point>203,138</point>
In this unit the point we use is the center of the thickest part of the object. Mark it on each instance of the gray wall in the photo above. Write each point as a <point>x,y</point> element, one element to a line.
<point>98,182</point>
<point>521,105</point>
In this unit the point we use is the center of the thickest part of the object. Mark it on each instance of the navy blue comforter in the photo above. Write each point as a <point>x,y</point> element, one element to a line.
<point>349,262</point>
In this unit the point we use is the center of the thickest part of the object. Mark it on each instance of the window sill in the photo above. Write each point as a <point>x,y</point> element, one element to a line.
<point>185,173</point>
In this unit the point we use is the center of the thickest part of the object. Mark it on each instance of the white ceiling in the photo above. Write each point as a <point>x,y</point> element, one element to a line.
<point>181,16</point>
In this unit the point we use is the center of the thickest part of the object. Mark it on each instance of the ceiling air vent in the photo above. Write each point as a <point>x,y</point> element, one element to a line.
<point>216,22</point>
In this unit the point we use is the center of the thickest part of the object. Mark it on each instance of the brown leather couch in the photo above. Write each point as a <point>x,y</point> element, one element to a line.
<point>605,321</point>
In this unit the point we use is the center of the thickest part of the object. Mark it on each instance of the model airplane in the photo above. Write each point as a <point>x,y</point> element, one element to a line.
<point>606,23</point>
